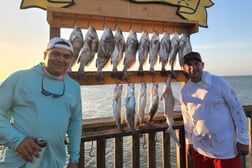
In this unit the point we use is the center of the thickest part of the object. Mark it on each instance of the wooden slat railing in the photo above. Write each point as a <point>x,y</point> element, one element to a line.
<point>101,129</point>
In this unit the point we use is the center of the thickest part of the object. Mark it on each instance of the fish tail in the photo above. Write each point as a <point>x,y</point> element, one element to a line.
<point>172,133</point>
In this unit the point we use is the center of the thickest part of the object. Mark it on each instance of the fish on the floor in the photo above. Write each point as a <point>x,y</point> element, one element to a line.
<point>168,103</point>
<point>105,50</point>
<point>88,50</point>
<point>117,93</point>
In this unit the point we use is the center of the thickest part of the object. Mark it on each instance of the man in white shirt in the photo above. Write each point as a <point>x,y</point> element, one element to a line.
<point>215,124</point>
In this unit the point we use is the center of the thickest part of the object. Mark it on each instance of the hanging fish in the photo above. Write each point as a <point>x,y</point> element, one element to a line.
<point>154,101</point>
<point>88,50</point>
<point>131,48</point>
<point>174,52</point>
<point>164,51</point>
<point>143,50</point>
<point>117,54</point>
<point>169,103</point>
<point>142,101</point>
<point>153,53</point>
<point>117,93</point>
<point>105,50</point>
<point>130,103</point>
<point>76,39</point>
<point>184,47</point>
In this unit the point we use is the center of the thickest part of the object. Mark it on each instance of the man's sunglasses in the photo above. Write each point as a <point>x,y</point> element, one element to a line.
<point>47,93</point>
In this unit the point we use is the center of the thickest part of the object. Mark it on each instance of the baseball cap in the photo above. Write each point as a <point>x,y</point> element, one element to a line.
<point>58,42</point>
<point>192,56</point>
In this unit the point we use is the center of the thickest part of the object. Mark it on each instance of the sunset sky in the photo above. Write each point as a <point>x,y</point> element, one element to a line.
<point>225,45</point>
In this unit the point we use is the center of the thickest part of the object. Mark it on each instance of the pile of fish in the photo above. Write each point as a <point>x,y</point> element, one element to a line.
<point>135,118</point>
<point>113,48</point>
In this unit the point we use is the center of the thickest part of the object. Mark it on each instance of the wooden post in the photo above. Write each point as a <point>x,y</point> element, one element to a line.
<point>82,154</point>
<point>166,151</point>
<point>54,32</point>
<point>118,152</point>
<point>135,156</point>
<point>100,155</point>
<point>181,156</point>
<point>151,150</point>
<point>250,139</point>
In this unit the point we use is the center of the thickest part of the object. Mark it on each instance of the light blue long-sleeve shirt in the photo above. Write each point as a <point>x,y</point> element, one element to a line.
<point>35,115</point>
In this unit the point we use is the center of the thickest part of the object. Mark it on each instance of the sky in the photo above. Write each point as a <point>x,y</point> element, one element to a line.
<point>225,46</point>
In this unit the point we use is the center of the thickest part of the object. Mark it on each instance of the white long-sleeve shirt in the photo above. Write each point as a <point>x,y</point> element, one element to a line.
<point>214,119</point>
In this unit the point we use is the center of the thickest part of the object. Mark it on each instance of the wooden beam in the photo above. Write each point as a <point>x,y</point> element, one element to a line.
<point>123,14</point>
<point>90,78</point>
<point>118,152</point>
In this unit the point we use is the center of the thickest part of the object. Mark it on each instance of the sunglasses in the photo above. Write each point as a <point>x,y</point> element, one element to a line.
<point>47,93</point>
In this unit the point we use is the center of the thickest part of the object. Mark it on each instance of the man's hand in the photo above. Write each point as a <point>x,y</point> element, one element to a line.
<point>189,148</point>
<point>71,165</point>
<point>28,148</point>
<point>242,149</point>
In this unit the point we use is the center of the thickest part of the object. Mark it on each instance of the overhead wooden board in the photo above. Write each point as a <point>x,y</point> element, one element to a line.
<point>120,13</point>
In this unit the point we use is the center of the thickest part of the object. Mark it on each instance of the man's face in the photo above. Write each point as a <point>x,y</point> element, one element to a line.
<point>194,69</point>
<point>57,60</point>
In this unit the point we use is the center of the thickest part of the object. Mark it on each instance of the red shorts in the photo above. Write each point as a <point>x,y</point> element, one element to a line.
<point>200,161</point>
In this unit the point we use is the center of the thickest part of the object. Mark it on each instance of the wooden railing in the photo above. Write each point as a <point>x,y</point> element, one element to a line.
<point>101,129</point>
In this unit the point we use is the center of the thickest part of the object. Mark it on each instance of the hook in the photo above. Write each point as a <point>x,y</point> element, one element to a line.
<point>117,81</point>
<point>142,79</point>
<point>116,25</point>
<point>164,28</point>
<point>104,23</point>
<point>130,25</point>
<point>75,21</point>
<point>142,26</point>
<point>144,143</point>
<point>61,19</point>
<point>88,22</point>
<point>153,81</point>
<point>106,147</point>
<point>91,150</point>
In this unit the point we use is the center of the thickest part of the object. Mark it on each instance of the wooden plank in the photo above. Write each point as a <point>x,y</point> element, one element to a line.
<point>82,154</point>
<point>123,14</point>
<point>166,150</point>
<point>118,152</point>
<point>151,148</point>
<point>181,153</point>
<point>100,155</point>
<point>54,32</point>
<point>90,77</point>
<point>135,156</point>
<point>112,133</point>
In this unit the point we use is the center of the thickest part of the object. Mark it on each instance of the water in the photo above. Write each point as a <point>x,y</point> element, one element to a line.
<point>97,102</point>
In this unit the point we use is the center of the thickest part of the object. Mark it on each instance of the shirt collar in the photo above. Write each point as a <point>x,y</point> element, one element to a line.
<point>205,80</point>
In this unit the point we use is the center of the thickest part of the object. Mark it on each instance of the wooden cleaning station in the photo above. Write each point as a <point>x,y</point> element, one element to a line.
<point>125,15</point>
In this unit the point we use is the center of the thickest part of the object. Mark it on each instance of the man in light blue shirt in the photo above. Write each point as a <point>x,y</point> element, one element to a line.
<point>43,102</point>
